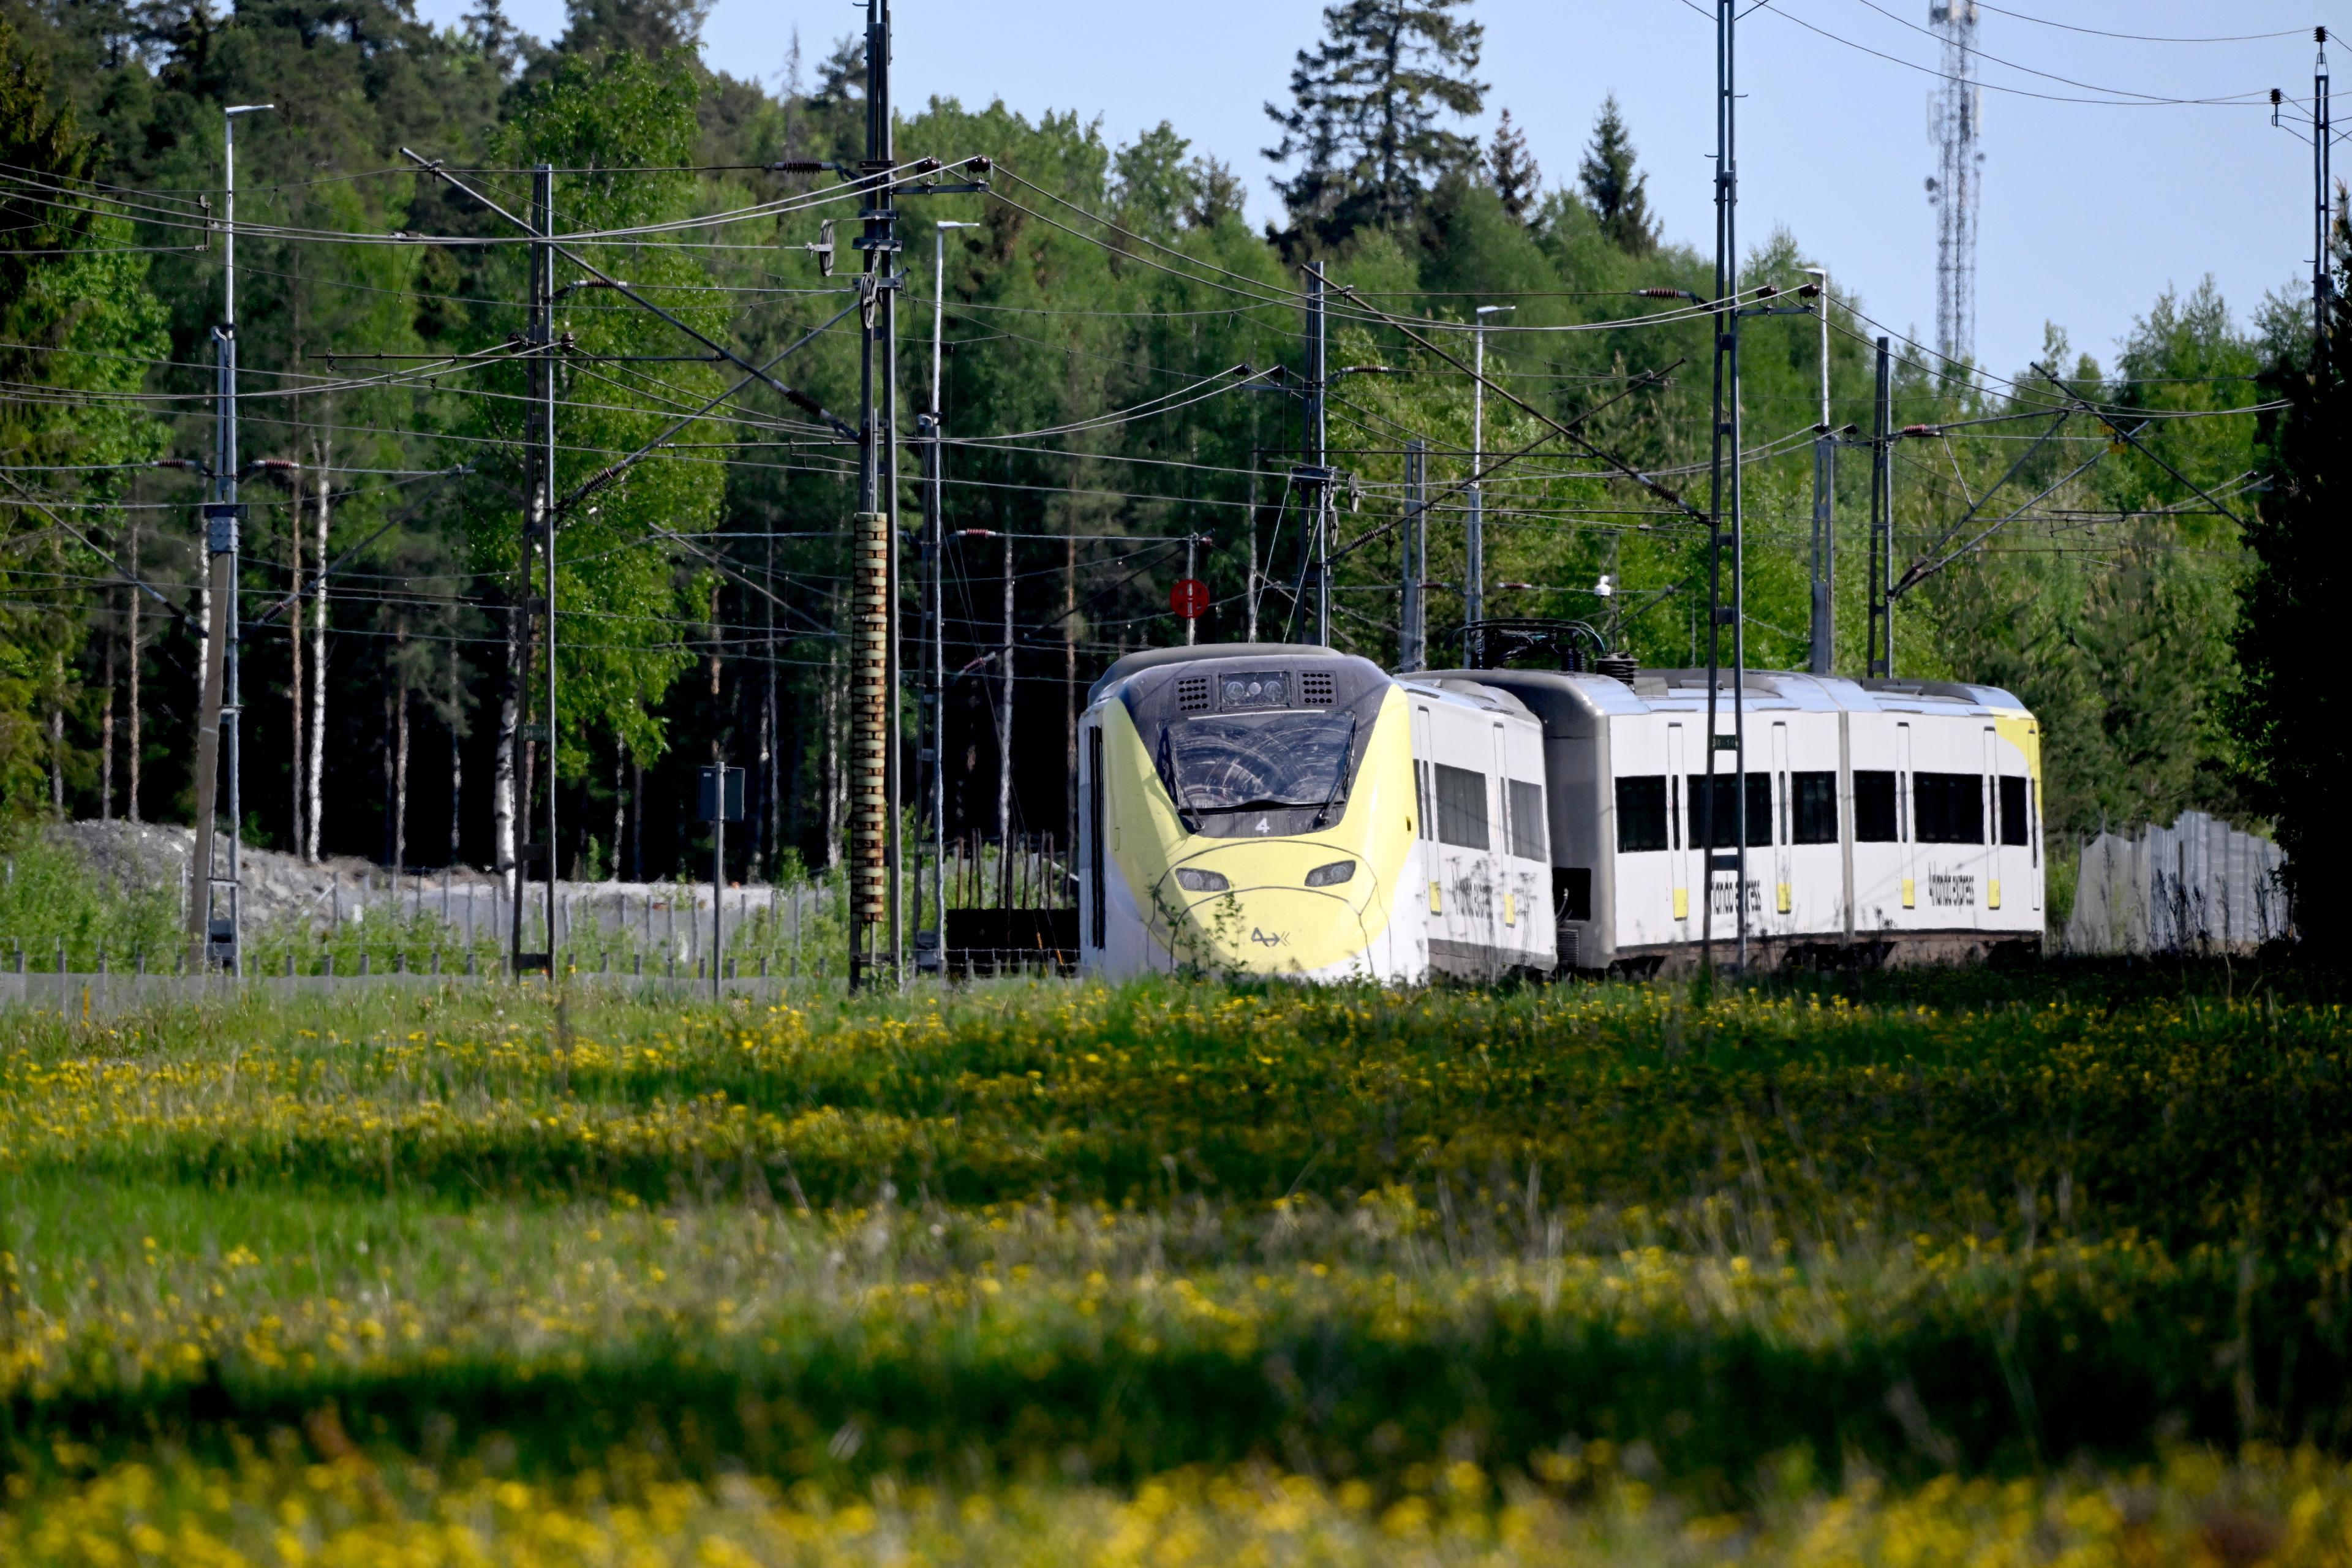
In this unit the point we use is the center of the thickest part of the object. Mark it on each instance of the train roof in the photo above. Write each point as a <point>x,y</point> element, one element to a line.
<point>1557,697</point>
<point>1356,674</point>
<point>1565,698</point>
<point>1161,658</point>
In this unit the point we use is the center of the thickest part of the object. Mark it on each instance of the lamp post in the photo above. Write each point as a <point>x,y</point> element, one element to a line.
<point>1473,572</point>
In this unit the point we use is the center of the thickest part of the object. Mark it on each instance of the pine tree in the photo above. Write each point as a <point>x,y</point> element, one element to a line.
<point>490,34</point>
<point>648,27</point>
<point>1518,179</point>
<point>1218,194</point>
<point>1616,191</point>
<point>2288,723</point>
<point>842,75</point>
<point>1365,123</point>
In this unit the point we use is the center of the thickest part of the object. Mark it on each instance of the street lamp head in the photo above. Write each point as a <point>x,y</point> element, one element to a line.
<point>237,109</point>
<point>956,222</point>
<point>1486,311</point>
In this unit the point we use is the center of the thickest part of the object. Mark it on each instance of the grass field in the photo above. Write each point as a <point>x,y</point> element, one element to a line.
<point>2039,1265</point>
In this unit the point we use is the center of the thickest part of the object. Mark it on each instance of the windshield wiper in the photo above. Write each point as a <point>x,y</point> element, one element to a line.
<point>1339,775</point>
<point>1252,805</point>
<point>1166,762</point>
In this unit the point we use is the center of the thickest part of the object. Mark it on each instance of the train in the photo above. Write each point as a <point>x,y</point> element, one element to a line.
<point>1286,810</point>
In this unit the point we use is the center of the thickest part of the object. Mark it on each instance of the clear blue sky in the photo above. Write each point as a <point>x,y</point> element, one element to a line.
<point>2089,212</point>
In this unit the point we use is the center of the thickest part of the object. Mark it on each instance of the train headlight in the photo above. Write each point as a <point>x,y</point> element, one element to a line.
<point>1194,880</point>
<point>1331,876</point>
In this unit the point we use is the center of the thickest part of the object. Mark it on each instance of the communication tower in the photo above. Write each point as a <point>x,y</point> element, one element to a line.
<point>1954,120</point>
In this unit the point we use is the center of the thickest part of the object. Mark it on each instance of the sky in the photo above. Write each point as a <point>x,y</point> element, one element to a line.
<point>2090,211</point>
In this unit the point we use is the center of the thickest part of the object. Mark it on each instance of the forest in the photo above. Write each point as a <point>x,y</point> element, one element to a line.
<point>1121,354</point>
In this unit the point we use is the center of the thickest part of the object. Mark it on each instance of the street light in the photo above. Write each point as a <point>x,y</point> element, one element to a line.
<point>1474,599</point>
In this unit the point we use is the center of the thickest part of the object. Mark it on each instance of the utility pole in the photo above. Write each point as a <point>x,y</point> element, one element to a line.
<point>2323,282</point>
<point>1473,550</point>
<point>542,192</point>
<point>873,894</point>
<point>1957,187</point>
<point>537,590</point>
<point>1878,653</point>
<point>216,723</point>
<point>931,746</point>
<point>1317,434</point>
<point>1726,432</point>
<point>1822,645</point>
<point>1412,641</point>
<point>2323,132</point>
<point>1192,570</point>
<point>1004,719</point>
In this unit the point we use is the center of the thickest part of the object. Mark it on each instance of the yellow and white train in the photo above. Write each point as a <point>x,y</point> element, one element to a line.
<point>1279,809</point>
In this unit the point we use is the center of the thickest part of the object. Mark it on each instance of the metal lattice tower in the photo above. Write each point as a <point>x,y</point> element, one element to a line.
<point>1954,119</point>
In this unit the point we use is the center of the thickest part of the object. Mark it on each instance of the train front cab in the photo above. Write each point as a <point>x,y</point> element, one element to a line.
<point>1247,809</point>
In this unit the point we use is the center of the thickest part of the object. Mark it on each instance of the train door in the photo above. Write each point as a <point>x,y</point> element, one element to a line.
<point>2035,874</point>
<point>1502,903</point>
<point>1431,903</point>
<point>1907,846</point>
<point>1678,852</point>
<point>1783,830</point>
<point>1999,830</point>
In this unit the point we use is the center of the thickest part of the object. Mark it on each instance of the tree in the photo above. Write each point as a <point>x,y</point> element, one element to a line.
<point>648,27</point>
<point>620,125</point>
<point>1154,182</point>
<point>1615,189</point>
<point>1367,105</point>
<point>2288,721</point>
<point>1218,194</point>
<point>77,317</point>
<point>1519,180</point>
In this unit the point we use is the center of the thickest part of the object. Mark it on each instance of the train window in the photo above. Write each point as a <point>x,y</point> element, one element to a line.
<point>1727,807</point>
<point>1528,820</point>
<point>1873,806</point>
<point>2015,826</point>
<point>1949,808</point>
<point>1461,806</point>
<point>1675,809</point>
<point>1816,806</point>
<point>1421,797</point>
<point>1641,814</point>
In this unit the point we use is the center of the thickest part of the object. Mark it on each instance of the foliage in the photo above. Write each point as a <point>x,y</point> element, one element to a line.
<point>2295,748</point>
<point>1366,122</point>
<point>1594,1505</point>
<point>54,900</point>
<point>1940,1224</point>
<point>1518,179</point>
<point>1120,364</point>
<point>618,591</point>
<point>1614,187</point>
<point>77,322</point>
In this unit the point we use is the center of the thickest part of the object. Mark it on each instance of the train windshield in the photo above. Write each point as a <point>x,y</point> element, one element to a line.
<point>1218,765</point>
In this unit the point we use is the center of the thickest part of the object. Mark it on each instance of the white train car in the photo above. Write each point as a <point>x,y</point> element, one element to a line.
<point>1886,819</point>
<point>1284,810</point>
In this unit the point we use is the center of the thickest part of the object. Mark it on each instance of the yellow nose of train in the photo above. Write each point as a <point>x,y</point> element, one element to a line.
<point>1285,908</point>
